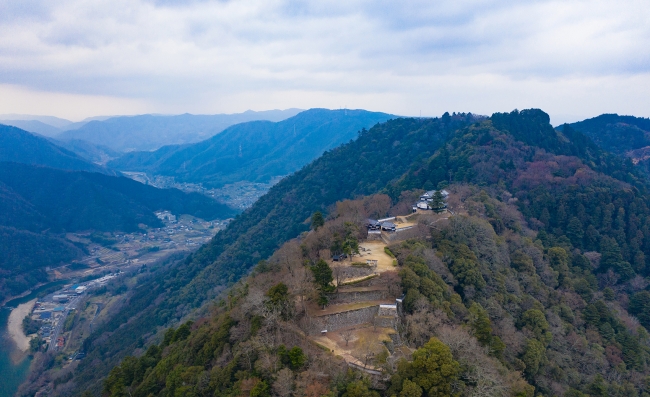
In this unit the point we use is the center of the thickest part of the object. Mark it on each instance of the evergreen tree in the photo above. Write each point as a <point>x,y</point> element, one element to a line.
<point>323,275</point>
<point>612,259</point>
<point>359,389</point>
<point>317,220</point>
<point>438,201</point>
<point>351,242</point>
<point>640,307</point>
<point>410,389</point>
<point>323,279</point>
<point>480,323</point>
<point>534,357</point>
<point>433,369</point>
<point>575,232</point>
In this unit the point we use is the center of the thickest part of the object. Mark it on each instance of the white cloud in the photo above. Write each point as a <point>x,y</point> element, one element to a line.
<point>574,58</point>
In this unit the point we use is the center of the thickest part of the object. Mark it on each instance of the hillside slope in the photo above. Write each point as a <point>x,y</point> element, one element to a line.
<point>74,201</point>
<point>150,132</point>
<point>39,204</point>
<point>20,146</point>
<point>544,267</point>
<point>615,133</point>
<point>97,154</point>
<point>357,168</point>
<point>541,274</point>
<point>254,151</point>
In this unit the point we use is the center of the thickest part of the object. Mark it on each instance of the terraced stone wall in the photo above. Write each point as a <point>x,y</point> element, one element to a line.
<point>333,322</point>
<point>357,296</point>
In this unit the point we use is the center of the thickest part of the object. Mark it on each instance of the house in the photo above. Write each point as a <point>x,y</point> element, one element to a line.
<point>45,315</point>
<point>428,196</point>
<point>372,224</point>
<point>388,226</point>
<point>426,201</point>
<point>339,258</point>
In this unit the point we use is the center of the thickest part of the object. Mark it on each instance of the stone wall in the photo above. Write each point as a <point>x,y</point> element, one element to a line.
<point>386,322</point>
<point>374,235</point>
<point>388,311</point>
<point>333,322</point>
<point>405,234</point>
<point>357,296</point>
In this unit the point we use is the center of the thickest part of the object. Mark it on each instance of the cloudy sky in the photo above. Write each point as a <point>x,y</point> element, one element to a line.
<point>80,58</point>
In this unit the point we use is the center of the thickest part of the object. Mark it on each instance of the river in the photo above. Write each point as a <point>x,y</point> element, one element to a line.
<point>12,374</point>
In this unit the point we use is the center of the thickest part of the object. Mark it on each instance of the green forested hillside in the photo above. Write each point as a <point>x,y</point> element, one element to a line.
<point>74,201</point>
<point>615,133</point>
<point>627,136</point>
<point>254,151</point>
<point>24,255</point>
<point>38,205</point>
<point>20,146</point>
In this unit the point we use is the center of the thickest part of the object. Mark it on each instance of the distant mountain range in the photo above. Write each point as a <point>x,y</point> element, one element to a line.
<point>46,191</point>
<point>150,132</point>
<point>143,132</point>
<point>20,146</point>
<point>52,121</point>
<point>254,151</point>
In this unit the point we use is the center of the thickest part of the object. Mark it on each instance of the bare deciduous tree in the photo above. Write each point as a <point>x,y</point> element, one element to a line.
<point>283,385</point>
<point>346,334</point>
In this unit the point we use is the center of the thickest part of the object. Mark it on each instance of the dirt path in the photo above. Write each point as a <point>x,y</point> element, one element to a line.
<point>15,325</point>
<point>375,250</point>
<point>339,351</point>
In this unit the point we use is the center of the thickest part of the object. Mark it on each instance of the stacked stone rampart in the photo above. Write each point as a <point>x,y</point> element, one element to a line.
<point>343,296</point>
<point>349,318</point>
<point>385,321</point>
<point>388,310</point>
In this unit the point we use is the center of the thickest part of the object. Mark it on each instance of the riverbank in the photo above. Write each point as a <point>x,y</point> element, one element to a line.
<point>15,325</point>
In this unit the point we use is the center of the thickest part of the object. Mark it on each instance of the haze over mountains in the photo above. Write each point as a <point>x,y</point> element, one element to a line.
<point>47,191</point>
<point>20,146</point>
<point>44,194</point>
<point>254,151</point>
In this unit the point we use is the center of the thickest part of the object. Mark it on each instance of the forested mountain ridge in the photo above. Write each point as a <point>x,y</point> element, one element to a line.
<point>75,201</point>
<point>38,204</point>
<point>627,136</point>
<point>20,146</point>
<point>357,168</point>
<point>150,132</point>
<point>615,133</point>
<point>550,253</point>
<point>255,151</point>
<point>497,302</point>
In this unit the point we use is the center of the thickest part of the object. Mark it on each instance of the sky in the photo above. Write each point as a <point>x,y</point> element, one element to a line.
<point>81,58</point>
